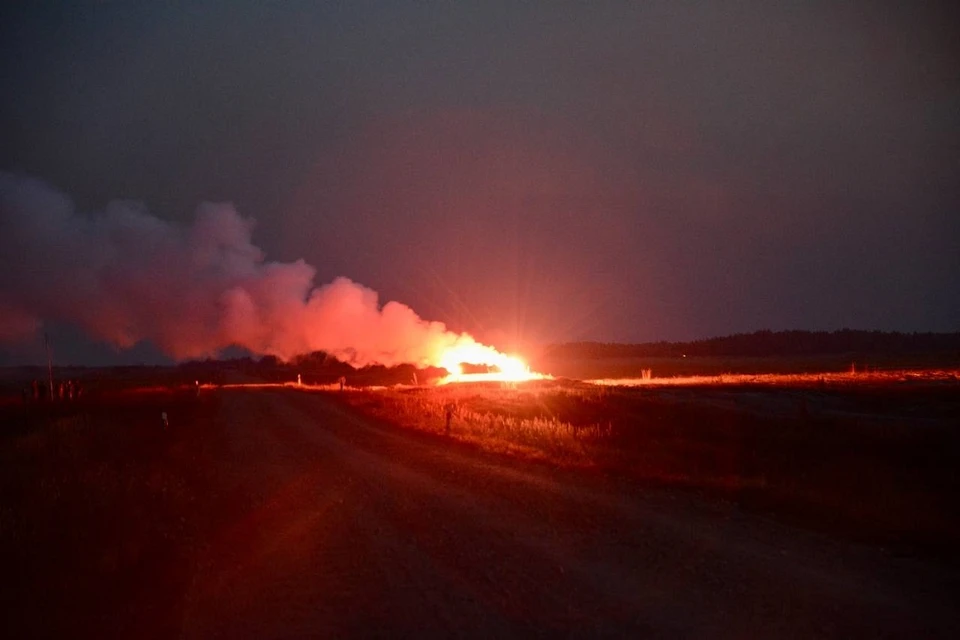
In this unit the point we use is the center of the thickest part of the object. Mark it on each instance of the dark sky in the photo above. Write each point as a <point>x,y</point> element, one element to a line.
<point>528,171</point>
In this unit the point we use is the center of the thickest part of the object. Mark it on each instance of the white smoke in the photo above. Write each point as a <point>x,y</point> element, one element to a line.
<point>124,276</point>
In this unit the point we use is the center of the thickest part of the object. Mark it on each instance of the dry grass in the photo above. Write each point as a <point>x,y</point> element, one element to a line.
<point>95,495</point>
<point>713,366</point>
<point>517,419</point>
<point>790,379</point>
<point>877,459</point>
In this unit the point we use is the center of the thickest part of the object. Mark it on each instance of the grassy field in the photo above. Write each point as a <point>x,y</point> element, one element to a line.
<point>98,493</point>
<point>872,459</point>
<point>597,368</point>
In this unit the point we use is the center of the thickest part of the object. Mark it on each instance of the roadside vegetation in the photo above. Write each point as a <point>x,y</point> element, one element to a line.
<point>101,502</point>
<point>875,461</point>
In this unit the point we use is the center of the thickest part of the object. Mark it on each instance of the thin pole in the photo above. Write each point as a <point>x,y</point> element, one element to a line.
<point>46,343</point>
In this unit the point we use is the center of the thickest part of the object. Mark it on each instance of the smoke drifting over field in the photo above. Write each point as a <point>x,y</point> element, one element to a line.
<point>124,276</point>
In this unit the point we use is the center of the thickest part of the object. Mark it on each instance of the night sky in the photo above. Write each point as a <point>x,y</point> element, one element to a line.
<point>530,172</point>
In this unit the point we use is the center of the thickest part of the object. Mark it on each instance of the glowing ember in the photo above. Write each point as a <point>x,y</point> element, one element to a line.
<point>504,368</point>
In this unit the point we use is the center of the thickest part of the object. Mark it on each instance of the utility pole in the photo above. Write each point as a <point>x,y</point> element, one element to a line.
<point>46,343</point>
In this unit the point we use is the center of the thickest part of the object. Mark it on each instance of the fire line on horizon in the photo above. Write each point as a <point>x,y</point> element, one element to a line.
<point>507,368</point>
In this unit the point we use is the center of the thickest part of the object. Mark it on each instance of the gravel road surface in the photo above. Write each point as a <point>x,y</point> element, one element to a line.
<point>358,529</point>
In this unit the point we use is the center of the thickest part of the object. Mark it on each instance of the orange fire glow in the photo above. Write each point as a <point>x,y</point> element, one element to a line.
<point>504,368</point>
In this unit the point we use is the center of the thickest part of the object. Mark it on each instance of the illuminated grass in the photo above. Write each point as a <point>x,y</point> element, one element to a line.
<point>833,451</point>
<point>791,379</point>
<point>521,420</point>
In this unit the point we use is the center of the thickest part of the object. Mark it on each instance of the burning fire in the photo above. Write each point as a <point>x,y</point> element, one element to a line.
<point>503,368</point>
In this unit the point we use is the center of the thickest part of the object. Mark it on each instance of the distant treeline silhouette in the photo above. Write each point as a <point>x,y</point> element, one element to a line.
<point>771,343</point>
<point>317,367</point>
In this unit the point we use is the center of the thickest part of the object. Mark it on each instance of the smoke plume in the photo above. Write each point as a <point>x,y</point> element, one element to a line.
<point>124,276</point>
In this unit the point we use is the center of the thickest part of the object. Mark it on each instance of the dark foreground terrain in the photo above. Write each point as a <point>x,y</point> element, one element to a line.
<point>278,513</point>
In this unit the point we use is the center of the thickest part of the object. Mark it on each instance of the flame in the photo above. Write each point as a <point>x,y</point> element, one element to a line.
<point>505,368</point>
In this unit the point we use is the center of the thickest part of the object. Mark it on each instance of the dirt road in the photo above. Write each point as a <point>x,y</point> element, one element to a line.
<point>361,530</point>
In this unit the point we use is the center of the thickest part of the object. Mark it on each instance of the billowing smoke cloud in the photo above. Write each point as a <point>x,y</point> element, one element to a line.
<point>124,276</point>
